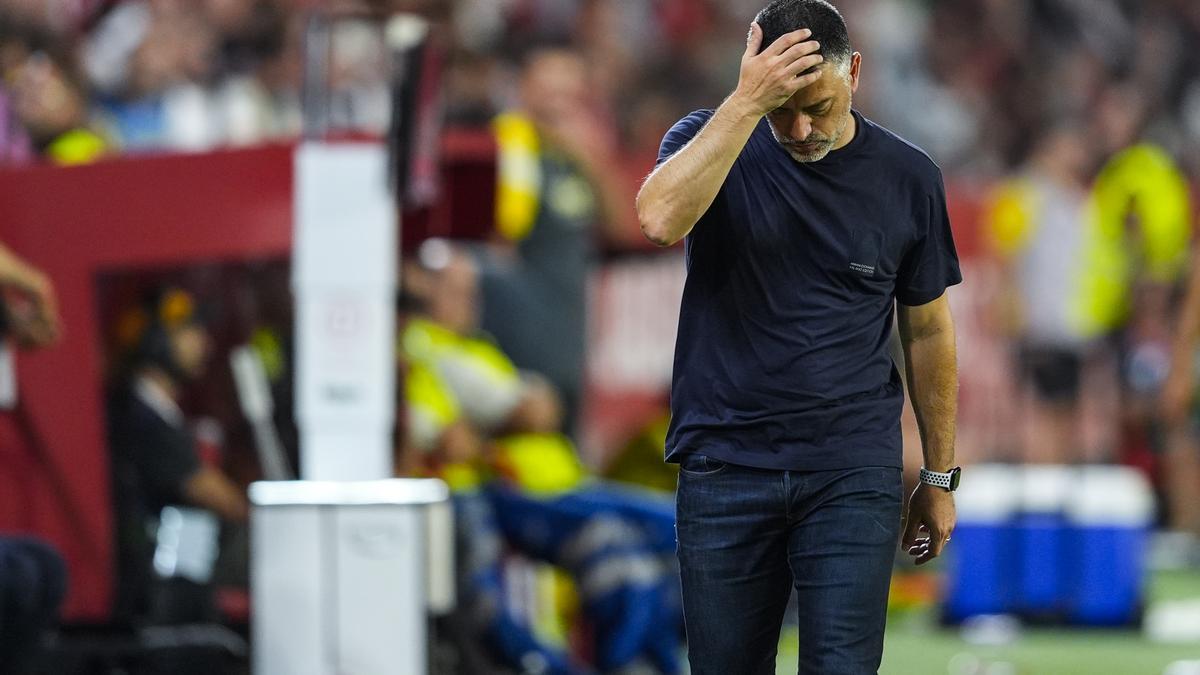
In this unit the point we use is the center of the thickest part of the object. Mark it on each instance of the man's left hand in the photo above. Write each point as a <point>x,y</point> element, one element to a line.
<point>929,522</point>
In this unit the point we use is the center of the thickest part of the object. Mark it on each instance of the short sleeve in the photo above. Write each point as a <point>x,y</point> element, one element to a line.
<point>931,264</point>
<point>682,133</point>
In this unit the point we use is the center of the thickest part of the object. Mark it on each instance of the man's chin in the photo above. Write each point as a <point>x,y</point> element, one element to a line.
<point>806,157</point>
<point>814,155</point>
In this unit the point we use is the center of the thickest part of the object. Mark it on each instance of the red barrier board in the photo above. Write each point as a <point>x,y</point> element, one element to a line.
<point>74,223</point>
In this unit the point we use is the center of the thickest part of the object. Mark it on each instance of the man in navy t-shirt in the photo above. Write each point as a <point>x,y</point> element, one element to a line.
<point>807,227</point>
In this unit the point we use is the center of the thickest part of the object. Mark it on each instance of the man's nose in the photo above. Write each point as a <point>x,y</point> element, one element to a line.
<point>801,128</point>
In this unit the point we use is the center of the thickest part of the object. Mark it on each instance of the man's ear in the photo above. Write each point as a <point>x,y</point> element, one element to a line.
<point>855,69</point>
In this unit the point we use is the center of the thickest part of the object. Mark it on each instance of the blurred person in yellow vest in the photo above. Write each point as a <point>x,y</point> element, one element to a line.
<point>559,191</point>
<point>1139,230</point>
<point>1139,242</point>
<point>1139,210</point>
<point>620,584</point>
<point>516,411</point>
<point>619,581</point>
<point>519,409</point>
<point>492,431</point>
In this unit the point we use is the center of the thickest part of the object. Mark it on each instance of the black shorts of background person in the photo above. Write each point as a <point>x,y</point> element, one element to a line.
<point>1054,373</point>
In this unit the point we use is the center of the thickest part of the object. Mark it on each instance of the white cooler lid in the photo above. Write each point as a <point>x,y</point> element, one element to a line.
<point>401,491</point>
<point>989,493</point>
<point>1111,495</point>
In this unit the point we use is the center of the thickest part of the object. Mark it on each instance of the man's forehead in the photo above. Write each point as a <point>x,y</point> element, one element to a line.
<point>831,84</point>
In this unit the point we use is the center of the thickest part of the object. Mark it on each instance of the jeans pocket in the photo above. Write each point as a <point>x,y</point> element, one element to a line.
<point>887,488</point>
<point>696,464</point>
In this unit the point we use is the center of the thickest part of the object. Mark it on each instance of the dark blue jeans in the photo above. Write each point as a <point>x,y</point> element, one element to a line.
<point>747,536</point>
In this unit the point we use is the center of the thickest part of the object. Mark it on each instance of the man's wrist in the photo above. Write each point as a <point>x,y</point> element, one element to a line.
<point>741,107</point>
<point>933,489</point>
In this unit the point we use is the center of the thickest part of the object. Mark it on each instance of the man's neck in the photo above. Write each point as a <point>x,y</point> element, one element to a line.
<point>159,379</point>
<point>848,134</point>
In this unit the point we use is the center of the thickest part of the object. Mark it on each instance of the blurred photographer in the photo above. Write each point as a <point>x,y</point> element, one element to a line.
<point>156,467</point>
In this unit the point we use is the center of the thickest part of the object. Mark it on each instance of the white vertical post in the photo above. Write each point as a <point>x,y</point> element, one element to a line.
<point>344,279</point>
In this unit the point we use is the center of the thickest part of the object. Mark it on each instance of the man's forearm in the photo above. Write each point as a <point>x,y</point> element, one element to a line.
<point>679,191</point>
<point>210,489</point>
<point>15,271</point>
<point>932,369</point>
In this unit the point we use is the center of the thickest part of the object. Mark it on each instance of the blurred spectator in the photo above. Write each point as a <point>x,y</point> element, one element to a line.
<point>494,396</point>
<point>1037,224</point>
<point>984,74</point>
<point>41,91</point>
<point>516,411</point>
<point>191,76</point>
<point>1139,232</point>
<point>558,189</point>
<point>468,403</point>
<point>156,464</point>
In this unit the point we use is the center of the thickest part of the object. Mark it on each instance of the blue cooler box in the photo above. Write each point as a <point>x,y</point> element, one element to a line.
<point>1043,542</point>
<point>1111,510</point>
<point>981,561</point>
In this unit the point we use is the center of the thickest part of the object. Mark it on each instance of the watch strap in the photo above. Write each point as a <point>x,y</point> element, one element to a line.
<point>938,479</point>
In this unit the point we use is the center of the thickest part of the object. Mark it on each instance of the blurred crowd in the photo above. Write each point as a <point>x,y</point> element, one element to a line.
<point>1072,125</point>
<point>973,81</point>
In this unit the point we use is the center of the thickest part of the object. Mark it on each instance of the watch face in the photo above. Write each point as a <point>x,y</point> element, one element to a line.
<point>955,474</point>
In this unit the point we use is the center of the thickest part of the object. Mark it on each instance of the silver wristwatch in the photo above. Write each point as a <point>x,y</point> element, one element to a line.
<point>947,481</point>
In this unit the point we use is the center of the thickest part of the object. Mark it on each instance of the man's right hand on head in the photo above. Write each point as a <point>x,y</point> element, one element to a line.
<point>769,79</point>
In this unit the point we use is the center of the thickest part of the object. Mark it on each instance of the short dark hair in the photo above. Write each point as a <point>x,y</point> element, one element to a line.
<point>822,18</point>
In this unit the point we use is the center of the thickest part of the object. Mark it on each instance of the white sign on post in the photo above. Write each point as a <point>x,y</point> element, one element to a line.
<point>344,278</point>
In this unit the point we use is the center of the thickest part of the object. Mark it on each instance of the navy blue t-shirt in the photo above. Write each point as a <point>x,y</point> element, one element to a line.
<point>781,360</point>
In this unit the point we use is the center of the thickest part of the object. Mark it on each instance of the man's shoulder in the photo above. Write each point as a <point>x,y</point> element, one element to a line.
<point>702,115</point>
<point>682,132</point>
<point>693,122</point>
<point>904,155</point>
